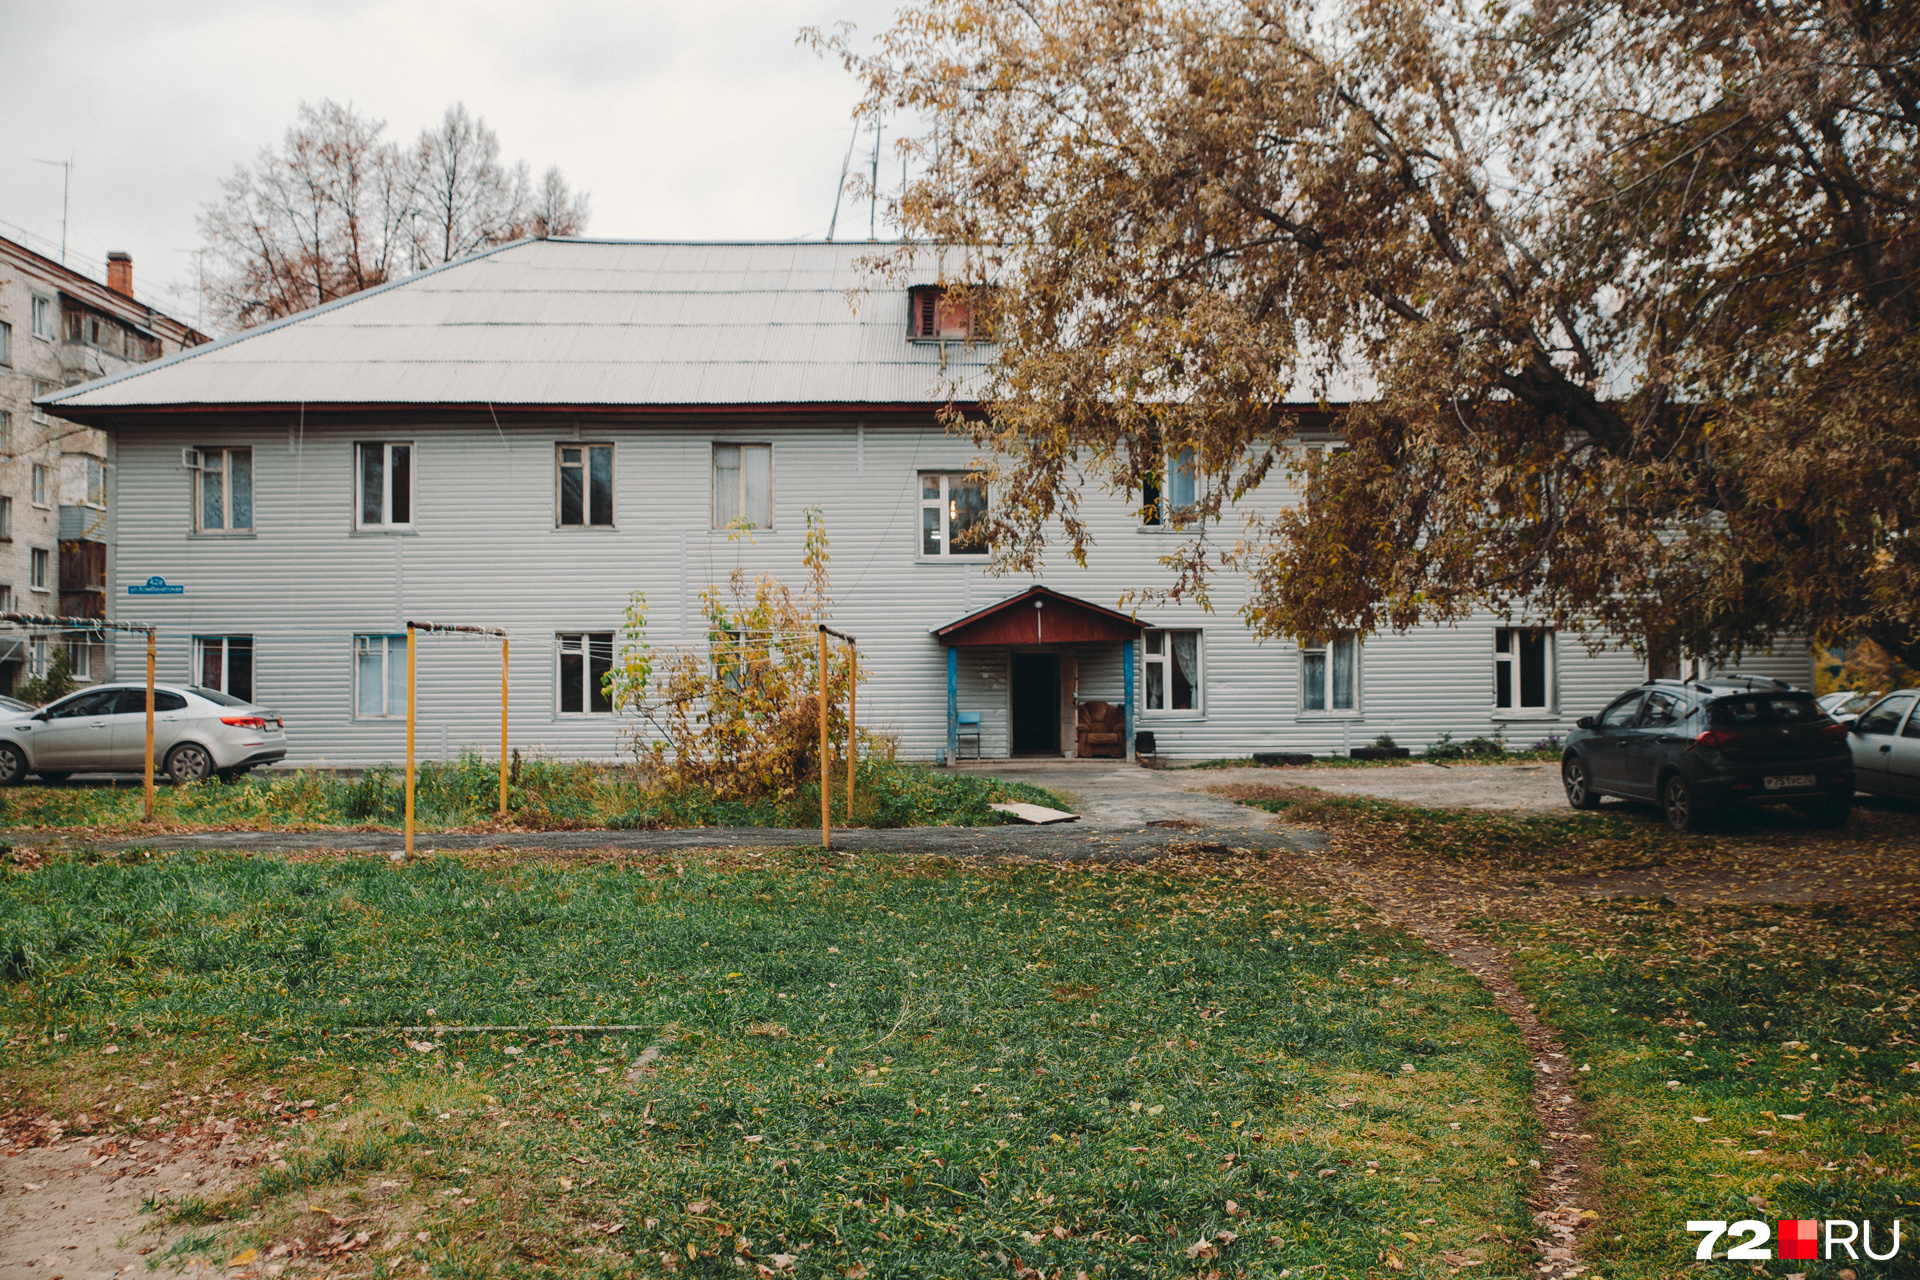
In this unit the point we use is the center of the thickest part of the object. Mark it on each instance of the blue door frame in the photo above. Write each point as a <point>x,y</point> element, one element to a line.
<point>953,699</point>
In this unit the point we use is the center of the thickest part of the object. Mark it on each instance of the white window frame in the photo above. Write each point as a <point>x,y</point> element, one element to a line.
<point>80,656</point>
<point>942,502</point>
<point>44,321</point>
<point>37,655</point>
<point>740,482</point>
<point>39,482</point>
<point>585,467</point>
<point>201,644</point>
<point>579,644</point>
<point>6,344</point>
<point>393,666</point>
<point>224,468</point>
<point>1327,651</point>
<point>1164,661</point>
<point>1158,513</point>
<point>6,597</point>
<point>386,523</point>
<point>1510,660</point>
<point>39,568</point>
<point>95,472</point>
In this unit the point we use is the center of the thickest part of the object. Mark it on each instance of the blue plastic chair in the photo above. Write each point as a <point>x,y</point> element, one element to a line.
<point>968,723</point>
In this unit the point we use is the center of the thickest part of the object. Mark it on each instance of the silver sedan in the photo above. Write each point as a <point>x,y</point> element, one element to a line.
<point>1886,746</point>
<point>197,733</point>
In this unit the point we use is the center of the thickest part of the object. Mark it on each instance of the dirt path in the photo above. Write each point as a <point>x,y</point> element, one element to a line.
<point>1559,1201</point>
<point>72,1208</point>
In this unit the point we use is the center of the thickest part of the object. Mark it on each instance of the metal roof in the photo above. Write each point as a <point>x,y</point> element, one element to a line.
<point>584,323</point>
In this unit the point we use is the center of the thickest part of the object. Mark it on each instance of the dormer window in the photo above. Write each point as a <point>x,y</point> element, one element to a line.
<point>936,313</point>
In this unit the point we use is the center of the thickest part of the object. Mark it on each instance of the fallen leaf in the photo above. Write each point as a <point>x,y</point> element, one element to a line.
<point>1201,1248</point>
<point>242,1258</point>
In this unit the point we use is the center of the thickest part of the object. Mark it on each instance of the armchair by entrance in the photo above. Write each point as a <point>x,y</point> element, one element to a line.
<point>1102,730</point>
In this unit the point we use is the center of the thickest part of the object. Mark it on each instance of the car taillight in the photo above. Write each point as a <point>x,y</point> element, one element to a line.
<point>244,722</point>
<point>1719,738</point>
<point>1837,732</point>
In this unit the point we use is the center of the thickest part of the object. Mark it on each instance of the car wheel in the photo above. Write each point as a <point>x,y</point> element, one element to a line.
<point>13,765</point>
<point>57,775</point>
<point>1830,813</point>
<point>188,762</point>
<point>1683,809</point>
<point>1580,792</point>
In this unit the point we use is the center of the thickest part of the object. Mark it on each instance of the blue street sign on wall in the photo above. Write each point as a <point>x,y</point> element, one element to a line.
<point>155,586</point>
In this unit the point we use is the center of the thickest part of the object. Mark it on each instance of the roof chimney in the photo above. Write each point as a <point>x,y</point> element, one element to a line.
<point>120,272</point>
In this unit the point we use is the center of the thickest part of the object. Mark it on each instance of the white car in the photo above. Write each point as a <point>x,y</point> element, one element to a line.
<point>1886,746</point>
<point>1845,705</point>
<point>197,733</point>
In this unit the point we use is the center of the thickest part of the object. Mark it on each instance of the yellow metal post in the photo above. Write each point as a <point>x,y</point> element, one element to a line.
<point>503,728</point>
<point>410,666</point>
<point>853,741</point>
<point>826,777</point>
<point>150,639</point>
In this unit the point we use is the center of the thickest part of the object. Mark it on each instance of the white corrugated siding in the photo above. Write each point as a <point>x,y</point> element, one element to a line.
<point>485,551</point>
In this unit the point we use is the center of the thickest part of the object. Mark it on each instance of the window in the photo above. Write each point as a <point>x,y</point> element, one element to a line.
<point>37,658</point>
<point>226,663</point>
<point>38,571</point>
<point>80,657</point>
<point>386,486</point>
<point>937,313</point>
<point>7,602</point>
<point>133,702</point>
<point>1663,708</point>
<point>39,485</point>
<point>743,486</point>
<point>379,675</point>
<point>96,482</point>
<point>6,519</point>
<point>586,485</point>
<point>1522,669</point>
<point>1330,675</point>
<point>223,490</point>
<point>6,431</point>
<point>43,321</point>
<point>586,658</point>
<point>6,343</point>
<point>1171,502</point>
<point>1173,671</point>
<point>1620,715</point>
<point>953,515</point>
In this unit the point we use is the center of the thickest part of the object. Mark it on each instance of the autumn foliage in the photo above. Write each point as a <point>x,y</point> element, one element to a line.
<point>738,717</point>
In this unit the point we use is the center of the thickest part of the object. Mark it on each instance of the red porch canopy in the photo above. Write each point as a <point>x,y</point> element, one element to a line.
<point>1039,616</point>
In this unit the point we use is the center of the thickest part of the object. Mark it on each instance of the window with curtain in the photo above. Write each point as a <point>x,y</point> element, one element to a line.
<point>380,676</point>
<point>1172,671</point>
<point>225,663</point>
<point>743,486</point>
<point>223,491</point>
<point>1170,501</point>
<point>1330,675</point>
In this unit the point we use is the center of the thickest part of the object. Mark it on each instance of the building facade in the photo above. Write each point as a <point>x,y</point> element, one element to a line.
<point>528,438</point>
<point>58,329</point>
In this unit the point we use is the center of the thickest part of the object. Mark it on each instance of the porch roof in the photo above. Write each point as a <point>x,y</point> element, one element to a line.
<point>1039,615</point>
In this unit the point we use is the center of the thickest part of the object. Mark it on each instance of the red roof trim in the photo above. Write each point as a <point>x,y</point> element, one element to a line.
<point>1115,615</point>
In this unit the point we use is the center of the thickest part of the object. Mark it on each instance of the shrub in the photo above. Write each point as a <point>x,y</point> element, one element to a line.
<point>1485,746</point>
<point>1385,742</point>
<point>1443,748</point>
<point>57,683</point>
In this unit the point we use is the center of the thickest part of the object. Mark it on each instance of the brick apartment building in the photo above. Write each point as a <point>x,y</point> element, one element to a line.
<point>58,328</point>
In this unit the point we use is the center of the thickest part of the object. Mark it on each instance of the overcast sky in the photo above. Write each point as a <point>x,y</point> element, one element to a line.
<point>682,120</point>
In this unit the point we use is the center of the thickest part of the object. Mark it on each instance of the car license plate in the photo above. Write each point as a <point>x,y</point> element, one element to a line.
<point>1792,780</point>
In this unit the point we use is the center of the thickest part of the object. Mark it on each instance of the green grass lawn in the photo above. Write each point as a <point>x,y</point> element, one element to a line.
<point>872,1067</point>
<point>1745,1062</point>
<point>542,794</point>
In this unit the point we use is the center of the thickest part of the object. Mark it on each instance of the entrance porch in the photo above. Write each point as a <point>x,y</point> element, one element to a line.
<point>1034,673</point>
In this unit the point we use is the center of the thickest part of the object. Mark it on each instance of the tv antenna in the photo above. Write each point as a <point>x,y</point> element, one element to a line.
<point>66,189</point>
<point>841,190</point>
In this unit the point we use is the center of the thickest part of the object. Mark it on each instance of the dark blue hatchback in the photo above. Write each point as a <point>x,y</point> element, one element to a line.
<point>1694,746</point>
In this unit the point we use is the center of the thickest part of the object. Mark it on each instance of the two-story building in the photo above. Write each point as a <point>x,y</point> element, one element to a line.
<point>524,438</point>
<point>57,329</point>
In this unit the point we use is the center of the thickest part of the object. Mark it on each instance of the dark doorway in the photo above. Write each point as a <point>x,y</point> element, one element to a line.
<point>1036,704</point>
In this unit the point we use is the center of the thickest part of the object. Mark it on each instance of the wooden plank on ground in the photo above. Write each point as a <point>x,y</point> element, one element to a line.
<point>1038,815</point>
